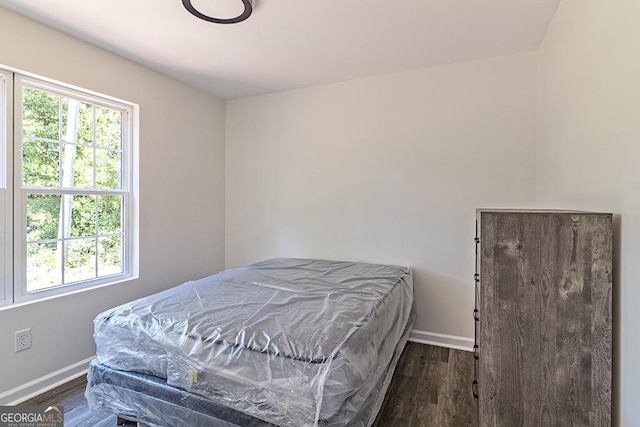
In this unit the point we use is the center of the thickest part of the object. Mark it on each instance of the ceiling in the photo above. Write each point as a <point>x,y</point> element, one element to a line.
<point>289,44</point>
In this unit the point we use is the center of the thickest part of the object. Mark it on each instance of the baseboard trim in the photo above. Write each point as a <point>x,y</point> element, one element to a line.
<point>442,340</point>
<point>45,383</point>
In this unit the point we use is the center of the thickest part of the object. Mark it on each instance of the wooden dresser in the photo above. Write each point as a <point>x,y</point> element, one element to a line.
<point>543,318</point>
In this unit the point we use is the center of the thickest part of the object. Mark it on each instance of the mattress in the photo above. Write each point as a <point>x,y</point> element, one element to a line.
<point>150,400</point>
<point>288,341</point>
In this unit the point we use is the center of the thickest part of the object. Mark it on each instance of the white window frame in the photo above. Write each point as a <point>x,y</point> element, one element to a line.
<point>14,288</point>
<point>6,186</point>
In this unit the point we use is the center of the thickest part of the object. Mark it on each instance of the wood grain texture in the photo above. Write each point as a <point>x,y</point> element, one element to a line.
<point>431,387</point>
<point>545,319</point>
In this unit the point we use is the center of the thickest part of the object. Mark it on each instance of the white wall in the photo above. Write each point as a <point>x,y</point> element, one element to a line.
<point>181,192</point>
<point>387,169</point>
<point>589,149</point>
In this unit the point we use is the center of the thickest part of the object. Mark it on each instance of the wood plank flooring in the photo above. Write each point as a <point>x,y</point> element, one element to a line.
<point>431,387</point>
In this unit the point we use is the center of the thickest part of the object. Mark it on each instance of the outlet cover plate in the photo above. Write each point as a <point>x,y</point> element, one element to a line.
<point>23,339</point>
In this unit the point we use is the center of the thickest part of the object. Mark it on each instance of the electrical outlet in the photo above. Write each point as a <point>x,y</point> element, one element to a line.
<point>23,339</point>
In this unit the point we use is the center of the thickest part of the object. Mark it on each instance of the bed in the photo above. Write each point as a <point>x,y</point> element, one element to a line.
<point>284,342</point>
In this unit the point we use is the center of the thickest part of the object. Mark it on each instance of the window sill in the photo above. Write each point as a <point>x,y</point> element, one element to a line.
<point>35,300</point>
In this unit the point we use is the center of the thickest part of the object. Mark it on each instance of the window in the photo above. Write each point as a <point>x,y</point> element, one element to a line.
<point>72,190</point>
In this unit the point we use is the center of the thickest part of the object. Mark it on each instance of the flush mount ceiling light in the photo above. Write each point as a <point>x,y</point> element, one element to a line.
<point>248,8</point>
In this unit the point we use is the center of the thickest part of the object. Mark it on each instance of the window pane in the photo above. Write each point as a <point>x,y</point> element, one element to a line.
<point>83,215</point>
<point>108,167</point>
<point>110,214</point>
<point>41,163</point>
<point>108,128</point>
<point>110,255</point>
<point>43,216</point>
<point>67,133</point>
<point>77,169</point>
<point>43,269</point>
<point>40,114</point>
<point>85,124</point>
<point>83,167</point>
<point>80,260</point>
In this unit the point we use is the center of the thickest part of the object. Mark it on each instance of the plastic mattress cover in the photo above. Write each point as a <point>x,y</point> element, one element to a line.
<point>292,342</point>
<point>150,400</point>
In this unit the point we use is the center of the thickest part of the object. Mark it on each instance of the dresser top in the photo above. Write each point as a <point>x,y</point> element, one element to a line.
<point>538,211</point>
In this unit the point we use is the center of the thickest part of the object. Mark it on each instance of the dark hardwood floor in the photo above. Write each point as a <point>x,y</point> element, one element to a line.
<point>431,387</point>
